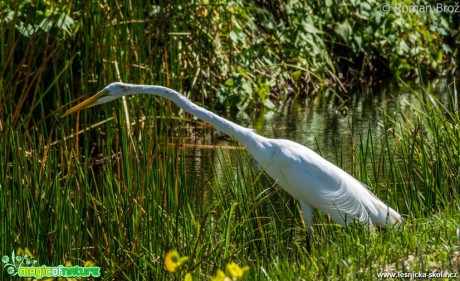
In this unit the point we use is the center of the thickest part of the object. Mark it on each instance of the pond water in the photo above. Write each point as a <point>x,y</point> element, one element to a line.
<point>325,129</point>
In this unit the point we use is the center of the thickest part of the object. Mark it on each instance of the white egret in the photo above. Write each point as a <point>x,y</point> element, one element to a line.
<point>311,179</point>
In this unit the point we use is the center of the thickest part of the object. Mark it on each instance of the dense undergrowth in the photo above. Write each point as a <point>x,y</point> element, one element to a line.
<point>122,200</point>
<point>237,53</point>
<point>120,196</point>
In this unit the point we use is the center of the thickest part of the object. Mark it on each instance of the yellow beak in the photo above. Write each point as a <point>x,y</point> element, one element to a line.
<point>85,103</point>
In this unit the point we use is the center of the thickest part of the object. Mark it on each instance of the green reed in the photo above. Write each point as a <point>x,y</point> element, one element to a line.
<point>124,199</point>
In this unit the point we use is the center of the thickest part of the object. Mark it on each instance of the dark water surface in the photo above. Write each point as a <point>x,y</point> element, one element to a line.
<point>327,129</point>
<point>333,132</point>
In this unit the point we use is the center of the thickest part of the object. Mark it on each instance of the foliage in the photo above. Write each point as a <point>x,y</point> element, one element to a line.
<point>123,200</point>
<point>310,46</point>
<point>37,17</point>
<point>236,53</point>
<point>428,144</point>
<point>120,194</point>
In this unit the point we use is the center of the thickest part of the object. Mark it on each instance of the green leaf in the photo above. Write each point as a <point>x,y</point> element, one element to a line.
<point>344,30</point>
<point>403,47</point>
<point>269,104</point>
<point>234,36</point>
<point>296,74</point>
<point>310,28</point>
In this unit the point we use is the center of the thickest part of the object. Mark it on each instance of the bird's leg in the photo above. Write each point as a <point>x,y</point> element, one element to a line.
<point>308,242</point>
<point>307,213</point>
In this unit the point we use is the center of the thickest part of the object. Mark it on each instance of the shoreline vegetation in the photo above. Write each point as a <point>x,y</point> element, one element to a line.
<point>235,55</point>
<point>103,187</point>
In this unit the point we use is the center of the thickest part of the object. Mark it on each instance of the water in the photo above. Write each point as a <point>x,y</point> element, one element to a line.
<point>326,129</point>
<point>333,132</point>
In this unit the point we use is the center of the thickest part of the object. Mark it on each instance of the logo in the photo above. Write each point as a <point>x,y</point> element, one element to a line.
<point>25,266</point>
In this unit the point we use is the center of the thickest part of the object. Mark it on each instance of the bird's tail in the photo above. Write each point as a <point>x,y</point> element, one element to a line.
<point>384,215</point>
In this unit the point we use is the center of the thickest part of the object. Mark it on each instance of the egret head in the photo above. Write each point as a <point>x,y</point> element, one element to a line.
<point>111,92</point>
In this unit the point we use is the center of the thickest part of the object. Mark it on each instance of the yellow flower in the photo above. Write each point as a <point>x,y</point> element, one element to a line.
<point>89,264</point>
<point>20,252</point>
<point>188,277</point>
<point>30,255</point>
<point>220,276</point>
<point>173,260</point>
<point>233,270</point>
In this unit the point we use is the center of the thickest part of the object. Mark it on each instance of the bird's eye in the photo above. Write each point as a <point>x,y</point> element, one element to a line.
<point>123,87</point>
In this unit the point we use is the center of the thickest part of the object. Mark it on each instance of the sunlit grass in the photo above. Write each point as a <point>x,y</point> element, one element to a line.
<point>84,189</point>
<point>125,201</point>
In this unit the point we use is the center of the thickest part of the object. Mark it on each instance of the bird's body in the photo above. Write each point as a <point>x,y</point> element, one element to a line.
<point>308,177</point>
<point>319,184</point>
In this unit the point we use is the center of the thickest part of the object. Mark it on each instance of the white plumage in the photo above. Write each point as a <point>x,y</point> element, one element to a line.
<point>308,177</point>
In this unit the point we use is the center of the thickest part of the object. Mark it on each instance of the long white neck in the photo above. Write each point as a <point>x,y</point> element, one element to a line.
<point>244,135</point>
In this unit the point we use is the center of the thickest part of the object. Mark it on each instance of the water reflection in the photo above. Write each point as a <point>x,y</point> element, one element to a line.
<point>327,129</point>
<point>330,131</point>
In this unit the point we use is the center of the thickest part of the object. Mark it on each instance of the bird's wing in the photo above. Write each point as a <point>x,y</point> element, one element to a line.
<point>314,180</point>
